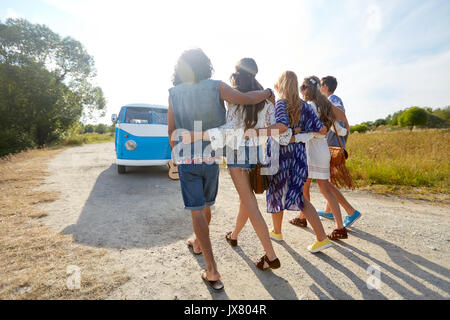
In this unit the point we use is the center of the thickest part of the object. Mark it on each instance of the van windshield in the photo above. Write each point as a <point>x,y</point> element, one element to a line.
<point>146,116</point>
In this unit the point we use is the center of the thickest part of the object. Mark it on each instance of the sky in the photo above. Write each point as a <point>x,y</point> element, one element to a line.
<point>386,54</point>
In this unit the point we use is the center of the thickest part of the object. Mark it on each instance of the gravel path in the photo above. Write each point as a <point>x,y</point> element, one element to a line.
<point>139,218</point>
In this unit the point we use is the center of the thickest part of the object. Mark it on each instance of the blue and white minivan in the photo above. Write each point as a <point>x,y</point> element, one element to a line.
<point>141,136</point>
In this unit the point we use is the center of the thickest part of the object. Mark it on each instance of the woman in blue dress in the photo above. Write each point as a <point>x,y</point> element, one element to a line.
<point>286,186</point>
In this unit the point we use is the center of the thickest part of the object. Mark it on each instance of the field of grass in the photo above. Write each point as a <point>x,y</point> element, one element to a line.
<point>411,163</point>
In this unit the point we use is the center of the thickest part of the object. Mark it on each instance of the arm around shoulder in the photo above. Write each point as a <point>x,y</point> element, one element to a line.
<point>234,96</point>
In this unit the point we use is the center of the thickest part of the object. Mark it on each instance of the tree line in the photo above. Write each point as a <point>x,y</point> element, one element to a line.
<point>410,117</point>
<point>46,86</point>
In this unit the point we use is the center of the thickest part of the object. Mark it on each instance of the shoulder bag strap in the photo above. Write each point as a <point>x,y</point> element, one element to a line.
<point>337,135</point>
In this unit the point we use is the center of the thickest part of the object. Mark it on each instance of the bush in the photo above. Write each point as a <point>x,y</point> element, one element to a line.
<point>12,141</point>
<point>101,128</point>
<point>360,128</point>
<point>380,122</point>
<point>89,128</point>
<point>75,140</point>
<point>436,122</point>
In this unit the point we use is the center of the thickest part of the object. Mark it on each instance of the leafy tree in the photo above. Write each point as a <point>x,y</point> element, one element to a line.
<point>45,84</point>
<point>33,103</point>
<point>414,116</point>
<point>101,128</point>
<point>395,117</point>
<point>22,42</point>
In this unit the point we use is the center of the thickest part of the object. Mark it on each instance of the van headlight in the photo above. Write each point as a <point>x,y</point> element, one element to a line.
<point>131,145</point>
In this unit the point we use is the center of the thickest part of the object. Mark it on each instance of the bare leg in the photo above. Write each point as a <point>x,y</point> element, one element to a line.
<point>342,201</point>
<point>313,219</point>
<point>277,219</point>
<point>325,189</point>
<point>249,203</point>
<point>241,220</point>
<point>306,190</point>
<point>306,195</point>
<point>201,230</point>
<point>327,208</point>
<point>194,242</point>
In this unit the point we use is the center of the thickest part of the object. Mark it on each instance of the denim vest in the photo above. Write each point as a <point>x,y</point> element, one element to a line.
<point>197,102</point>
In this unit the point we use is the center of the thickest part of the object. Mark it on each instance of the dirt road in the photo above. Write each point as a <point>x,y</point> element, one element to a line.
<point>140,219</point>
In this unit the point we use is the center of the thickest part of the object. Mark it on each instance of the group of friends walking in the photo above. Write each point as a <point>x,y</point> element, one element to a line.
<point>237,119</point>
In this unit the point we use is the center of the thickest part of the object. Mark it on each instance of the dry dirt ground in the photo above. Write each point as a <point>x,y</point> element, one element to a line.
<point>140,220</point>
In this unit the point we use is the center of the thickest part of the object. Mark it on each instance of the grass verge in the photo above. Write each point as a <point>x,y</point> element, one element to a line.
<point>33,258</point>
<point>79,139</point>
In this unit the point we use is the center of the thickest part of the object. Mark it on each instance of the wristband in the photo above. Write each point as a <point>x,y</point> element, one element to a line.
<point>271,93</point>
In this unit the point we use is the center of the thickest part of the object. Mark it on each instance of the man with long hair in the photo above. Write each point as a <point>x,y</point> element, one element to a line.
<point>195,98</point>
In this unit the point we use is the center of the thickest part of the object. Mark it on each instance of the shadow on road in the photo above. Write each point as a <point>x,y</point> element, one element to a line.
<point>318,276</point>
<point>277,287</point>
<point>139,209</point>
<point>404,261</point>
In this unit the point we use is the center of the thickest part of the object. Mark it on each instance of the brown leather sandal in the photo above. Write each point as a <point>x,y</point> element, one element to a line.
<point>232,242</point>
<point>338,234</point>
<point>302,223</point>
<point>216,285</point>
<point>275,264</point>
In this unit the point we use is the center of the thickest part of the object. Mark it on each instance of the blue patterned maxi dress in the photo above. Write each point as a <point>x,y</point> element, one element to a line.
<point>286,186</point>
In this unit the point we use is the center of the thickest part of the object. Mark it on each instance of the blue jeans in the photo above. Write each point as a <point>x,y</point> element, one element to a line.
<point>199,184</point>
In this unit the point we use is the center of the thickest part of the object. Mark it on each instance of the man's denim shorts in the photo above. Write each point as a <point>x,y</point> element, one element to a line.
<point>199,184</point>
<point>248,157</point>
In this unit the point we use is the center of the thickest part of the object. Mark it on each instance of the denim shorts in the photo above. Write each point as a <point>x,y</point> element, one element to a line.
<point>199,184</point>
<point>247,158</point>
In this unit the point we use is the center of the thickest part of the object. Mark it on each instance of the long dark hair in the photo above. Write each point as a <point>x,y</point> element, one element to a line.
<point>311,90</point>
<point>243,79</point>
<point>192,66</point>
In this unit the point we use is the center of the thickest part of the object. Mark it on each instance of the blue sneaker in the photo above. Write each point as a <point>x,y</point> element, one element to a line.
<point>325,215</point>
<point>349,220</point>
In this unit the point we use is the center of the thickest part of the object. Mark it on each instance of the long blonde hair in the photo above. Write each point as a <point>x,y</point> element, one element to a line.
<point>287,88</point>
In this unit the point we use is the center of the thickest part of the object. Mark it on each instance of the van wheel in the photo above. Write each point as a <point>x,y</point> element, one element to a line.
<point>121,169</point>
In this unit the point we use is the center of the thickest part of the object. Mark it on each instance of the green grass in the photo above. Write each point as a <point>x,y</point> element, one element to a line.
<point>89,138</point>
<point>418,161</point>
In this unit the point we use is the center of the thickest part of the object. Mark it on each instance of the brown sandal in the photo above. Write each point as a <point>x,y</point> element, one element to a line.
<point>302,223</point>
<point>275,264</point>
<point>232,242</point>
<point>216,285</point>
<point>338,234</point>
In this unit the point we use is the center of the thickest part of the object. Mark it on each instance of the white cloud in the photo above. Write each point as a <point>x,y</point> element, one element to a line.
<point>135,45</point>
<point>373,89</point>
<point>373,25</point>
<point>11,13</point>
